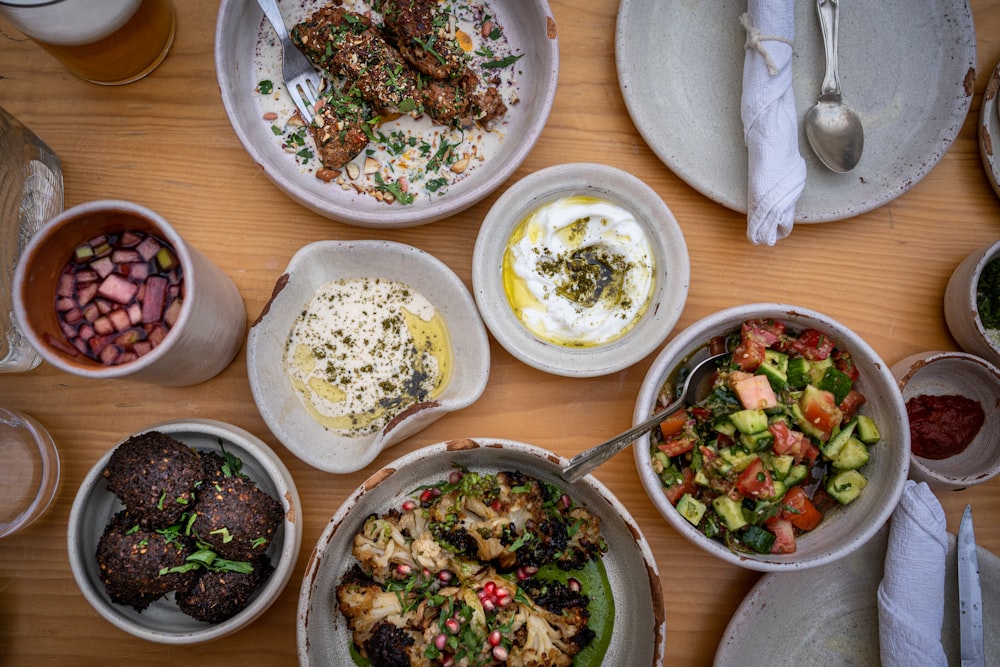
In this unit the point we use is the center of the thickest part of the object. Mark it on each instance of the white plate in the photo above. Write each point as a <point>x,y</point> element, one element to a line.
<point>639,627</point>
<point>907,67</point>
<point>989,131</point>
<point>829,615</point>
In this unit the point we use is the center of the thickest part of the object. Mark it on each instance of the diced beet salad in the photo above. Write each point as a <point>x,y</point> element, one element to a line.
<point>118,296</point>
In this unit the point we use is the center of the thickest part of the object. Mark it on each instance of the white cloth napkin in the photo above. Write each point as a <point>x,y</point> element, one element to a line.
<point>777,172</point>
<point>911,595</point>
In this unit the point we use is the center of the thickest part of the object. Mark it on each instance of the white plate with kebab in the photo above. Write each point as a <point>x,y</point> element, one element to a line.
<point>428,143</point>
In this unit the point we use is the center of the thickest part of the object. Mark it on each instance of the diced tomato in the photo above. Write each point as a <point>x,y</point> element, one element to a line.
<point>854,400</point>
<point>844,362</point>
<point>812,344</point>
<point>699,413</point>
<point>755,392</point>
<point>823,501</point>
<point>707,453</point>
<point>674,424</point>
<point>675,491</point>
<point>798,509</point>
<point>749,353</point>
<point>676,445</point>
<point>784,534</point>
<point>755,481</point>
<point>821,411</point>
<point>770,330</point>
<point>787,441</point>
<point>717,345</point>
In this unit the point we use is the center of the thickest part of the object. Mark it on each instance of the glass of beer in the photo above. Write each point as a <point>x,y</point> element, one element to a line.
<point>109,42</point>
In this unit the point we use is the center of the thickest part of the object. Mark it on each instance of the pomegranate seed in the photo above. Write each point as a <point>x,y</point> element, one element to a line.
<point>488,605</point>
<point>448,662</point>
<point>481,595</point>
<point>500,653</point>
<point>455,477</point>
<point>506,602</point>
<point>452,626</point>
<point>441,641</point>
<point>564,499</point>
<point>490,588</point>
<point>426,495</point>
<point>494,638</point>
<point>445,575</point>
<point>404,569</point>
<point>502,592</point>
<point>409,505</point>
<point>573,584</point>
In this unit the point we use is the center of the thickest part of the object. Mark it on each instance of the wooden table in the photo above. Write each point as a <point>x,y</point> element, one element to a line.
<point>166,142</point>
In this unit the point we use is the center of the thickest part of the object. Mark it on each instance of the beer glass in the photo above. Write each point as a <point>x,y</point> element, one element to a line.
<point>109,42</point>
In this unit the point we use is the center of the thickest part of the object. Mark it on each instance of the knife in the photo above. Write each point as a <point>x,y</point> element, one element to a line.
<point>970,595</point>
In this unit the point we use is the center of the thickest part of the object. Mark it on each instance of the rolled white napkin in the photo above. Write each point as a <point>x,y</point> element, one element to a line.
<point>777,172</point>
<point>911,595</point>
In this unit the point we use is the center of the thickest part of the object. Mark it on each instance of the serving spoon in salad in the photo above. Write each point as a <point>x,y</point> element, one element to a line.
<point>698,381</point>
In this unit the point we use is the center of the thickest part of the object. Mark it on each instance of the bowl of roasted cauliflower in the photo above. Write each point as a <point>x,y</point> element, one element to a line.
<point>475,551</point>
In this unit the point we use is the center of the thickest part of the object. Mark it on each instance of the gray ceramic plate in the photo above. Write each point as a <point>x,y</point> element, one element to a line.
<point>989,131</point>
<point>680,67</point>
<point>639,627</point>
<point>530,29</point>
<point>839,601</point>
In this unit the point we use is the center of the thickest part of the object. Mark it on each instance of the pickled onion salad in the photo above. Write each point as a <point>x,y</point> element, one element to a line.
<point>779,441</point>
<point>117,297</point>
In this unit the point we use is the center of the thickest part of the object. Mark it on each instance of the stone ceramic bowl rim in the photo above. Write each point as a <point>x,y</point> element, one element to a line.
<point>640,612</point>
<point>318,263</point>
<point>162,622</point>
<point>843,531</point>
<point>235,40</point>
<point>960,309</point>
<point>673,270</point>
<point>944,474</point>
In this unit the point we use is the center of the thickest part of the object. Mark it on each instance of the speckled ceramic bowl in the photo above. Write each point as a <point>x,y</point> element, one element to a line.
<point>943,373</point>
<point>321,262</point>
<point>960,309</point>
<point>528,24</point>
<point>843,530</point>
<point>163,622</point>
<point>640,628</point>
<point>672,271</point>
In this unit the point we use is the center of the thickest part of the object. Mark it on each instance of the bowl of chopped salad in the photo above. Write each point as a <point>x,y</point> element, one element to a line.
<point>797,454</point>
<point>426,108</point>
<point>476,552</point>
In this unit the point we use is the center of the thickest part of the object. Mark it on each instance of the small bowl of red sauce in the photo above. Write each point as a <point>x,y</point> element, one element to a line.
<point>953,407</point>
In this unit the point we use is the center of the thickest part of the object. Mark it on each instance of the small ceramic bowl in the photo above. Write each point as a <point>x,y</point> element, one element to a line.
<point>640,628</point>
<point>163,622</point>
<point>239,39</point>
<point>960,307</point>
<point>29,470</point>
<point>322,262</point>
<point>943,373</point>
<point>842,530</point>
<point>671,269</point>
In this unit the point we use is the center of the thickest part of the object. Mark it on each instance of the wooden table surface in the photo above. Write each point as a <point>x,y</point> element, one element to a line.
<point>166,142</point>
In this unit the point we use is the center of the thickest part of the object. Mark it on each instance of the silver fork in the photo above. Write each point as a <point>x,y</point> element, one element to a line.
<point>302,80</point>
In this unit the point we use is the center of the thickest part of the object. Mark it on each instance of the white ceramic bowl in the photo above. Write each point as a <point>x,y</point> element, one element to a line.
<point>843,530</point>
<point>528,24</point>
<point>639,629</point>
<point>943,373</point>
<point>162,621</point>
<point>672,269</point>
<point>960,309</point>
<point>319,263</point>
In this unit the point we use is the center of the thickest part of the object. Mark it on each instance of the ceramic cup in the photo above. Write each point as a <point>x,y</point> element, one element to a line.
<point>208,330</point>
<point>109,42</point>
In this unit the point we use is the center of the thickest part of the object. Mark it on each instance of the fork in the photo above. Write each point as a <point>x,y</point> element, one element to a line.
<point>302,80</point>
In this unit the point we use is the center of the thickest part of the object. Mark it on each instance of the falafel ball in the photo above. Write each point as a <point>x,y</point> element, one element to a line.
<point>131,557</point>
<point>154,475</point>
<point>217,596</point>
<point>236,518</point>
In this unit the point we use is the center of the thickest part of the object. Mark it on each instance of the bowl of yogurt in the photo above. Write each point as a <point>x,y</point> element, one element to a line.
<point>363,344</point>
<point>580,270</point>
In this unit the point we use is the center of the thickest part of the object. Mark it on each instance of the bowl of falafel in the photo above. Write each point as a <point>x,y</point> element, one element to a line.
<point>185,532</point>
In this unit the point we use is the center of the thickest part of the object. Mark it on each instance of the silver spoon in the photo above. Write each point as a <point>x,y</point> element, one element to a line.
<point>586,461</point>
<point>833,129</point>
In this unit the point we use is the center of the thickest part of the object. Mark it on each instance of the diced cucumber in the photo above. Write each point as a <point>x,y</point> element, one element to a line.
<point>817,369</point>
<point>724,426</point>
<point>731,512</point>
<point>758,539</point>
<point>796,474</point>
<point>701,479</point>
<point>691,508</point>
<point>749,421</point>
<point>780,464</point>
<point>775,368</point>
<point>804,424</point>
<point>757,441</point>
<point>845,485</point>
<point>831,448</point>
<point>738,457</point>
<point>836,382</point>
<point>798,372</point>
<point>780,489</point>
<point>852,455</point>
<point>868,432</point>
